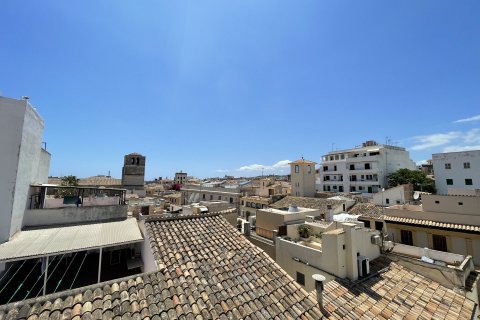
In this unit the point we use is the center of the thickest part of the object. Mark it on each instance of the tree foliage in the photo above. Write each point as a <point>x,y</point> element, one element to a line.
<point>70,181</point>
<point>417,178</point>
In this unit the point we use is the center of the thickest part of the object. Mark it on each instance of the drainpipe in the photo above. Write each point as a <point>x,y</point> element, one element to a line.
<point>319,279</point>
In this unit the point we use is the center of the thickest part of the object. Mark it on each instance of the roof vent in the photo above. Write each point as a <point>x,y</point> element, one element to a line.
<point>293,208</point>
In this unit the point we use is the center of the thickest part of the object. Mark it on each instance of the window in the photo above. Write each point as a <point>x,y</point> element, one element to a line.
<point>468,182</point>
<point>231,200</point>
<point>367,166</point>
<point>466,165</point>
<point>336,157</point>
<point>437,202</point>
<point>297,168</point>
<point>439,242</point>
<point>203,196</point>
<point>448,166</point>
<point>379,225</point>
<point>219,197</point>
<point>309,169</point>
<point>334,187</point>
<point>360,188</point>
<point>352,167</point>
<point>387,201</point>
<point>450,182</point>
<point>334,168</point>
<point>406,237</point>
<point>367,223</point>
<point>325,168</point>
<point>301,278</point>
<point>352,189</point>
<point>331,158</point>
<point>460,203</point>
<point>211,197</point>
<point>342,156</point>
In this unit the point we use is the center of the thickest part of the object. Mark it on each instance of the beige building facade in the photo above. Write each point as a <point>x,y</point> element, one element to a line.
<point>339,253</point>
<point>302,173</point>
<point>444,222</point>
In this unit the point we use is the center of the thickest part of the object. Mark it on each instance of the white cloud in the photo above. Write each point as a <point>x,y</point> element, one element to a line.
<point>474,118</point>
<point>434,140</point>
<point>258,167</point>
<point>472,136</point>
<point>420,162</point>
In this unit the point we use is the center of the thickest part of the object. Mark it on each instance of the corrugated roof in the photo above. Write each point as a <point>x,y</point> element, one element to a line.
<point>48,241</point>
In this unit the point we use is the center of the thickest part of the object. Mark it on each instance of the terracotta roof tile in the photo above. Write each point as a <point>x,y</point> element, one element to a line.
<point>397,293</point>
<point>208,270</point>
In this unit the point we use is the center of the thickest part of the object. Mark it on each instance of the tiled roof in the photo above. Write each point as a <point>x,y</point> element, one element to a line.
<point>367,210</point>
<point>303,161</point>
<point>209,262</point>
<point>100,181</point>
<point>397,293</point>
<point>306,202</point>
<point>208,270</point>
<point>433,224</point>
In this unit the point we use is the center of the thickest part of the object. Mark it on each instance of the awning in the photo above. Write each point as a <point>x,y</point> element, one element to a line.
<point>30,244</point>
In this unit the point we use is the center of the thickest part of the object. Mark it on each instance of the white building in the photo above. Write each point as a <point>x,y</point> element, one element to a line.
<point>363,169</point>
<point>23,161</point>
<point>456,170</point>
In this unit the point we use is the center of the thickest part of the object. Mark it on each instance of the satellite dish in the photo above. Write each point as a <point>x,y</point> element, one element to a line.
<point>416,195</point>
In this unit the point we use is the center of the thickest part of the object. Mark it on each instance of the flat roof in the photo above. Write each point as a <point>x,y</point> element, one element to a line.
<point>58,240</point>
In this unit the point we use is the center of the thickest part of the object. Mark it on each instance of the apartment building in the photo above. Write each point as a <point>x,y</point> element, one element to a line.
<point>362,169</point>
<point>459,170</point>
<point>181,178</point>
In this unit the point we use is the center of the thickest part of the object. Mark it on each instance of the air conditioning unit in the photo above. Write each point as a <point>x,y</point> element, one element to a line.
<point>375,239</point>
<point>309,218</point>
<point>363,264</point>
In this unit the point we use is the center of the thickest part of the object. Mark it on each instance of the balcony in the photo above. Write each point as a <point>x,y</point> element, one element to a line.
<point>59,205</point>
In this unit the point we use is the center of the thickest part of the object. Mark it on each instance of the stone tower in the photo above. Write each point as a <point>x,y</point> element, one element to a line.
<point>133,172</point>
<point>303,178</point>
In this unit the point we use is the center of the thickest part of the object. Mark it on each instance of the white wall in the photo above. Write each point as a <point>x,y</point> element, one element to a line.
<point>21,131</point>
<point>43,168</point>
<point>28,161</point>
<point>457,172</point>
<point>11,123</point>
<point>395,195</point>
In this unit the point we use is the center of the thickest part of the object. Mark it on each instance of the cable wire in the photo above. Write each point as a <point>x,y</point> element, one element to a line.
<point>6,272</point>
<point>48,278</point>
<point>68,267</point>
<point>86,252</point>
<point>6,284</point>
<point>21,284</point>
<point>39,277</point>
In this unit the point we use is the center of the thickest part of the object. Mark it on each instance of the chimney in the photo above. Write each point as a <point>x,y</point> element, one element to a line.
<point>329,214</point>
<point>319,279</point>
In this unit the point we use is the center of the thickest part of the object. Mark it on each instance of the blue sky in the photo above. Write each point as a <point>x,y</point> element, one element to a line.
<point>228,87</point>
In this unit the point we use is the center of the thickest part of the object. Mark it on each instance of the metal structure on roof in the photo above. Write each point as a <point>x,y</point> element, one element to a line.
<point>51,241</point>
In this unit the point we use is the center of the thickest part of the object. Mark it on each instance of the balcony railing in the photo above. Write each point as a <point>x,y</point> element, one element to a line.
<point>50,197</point>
